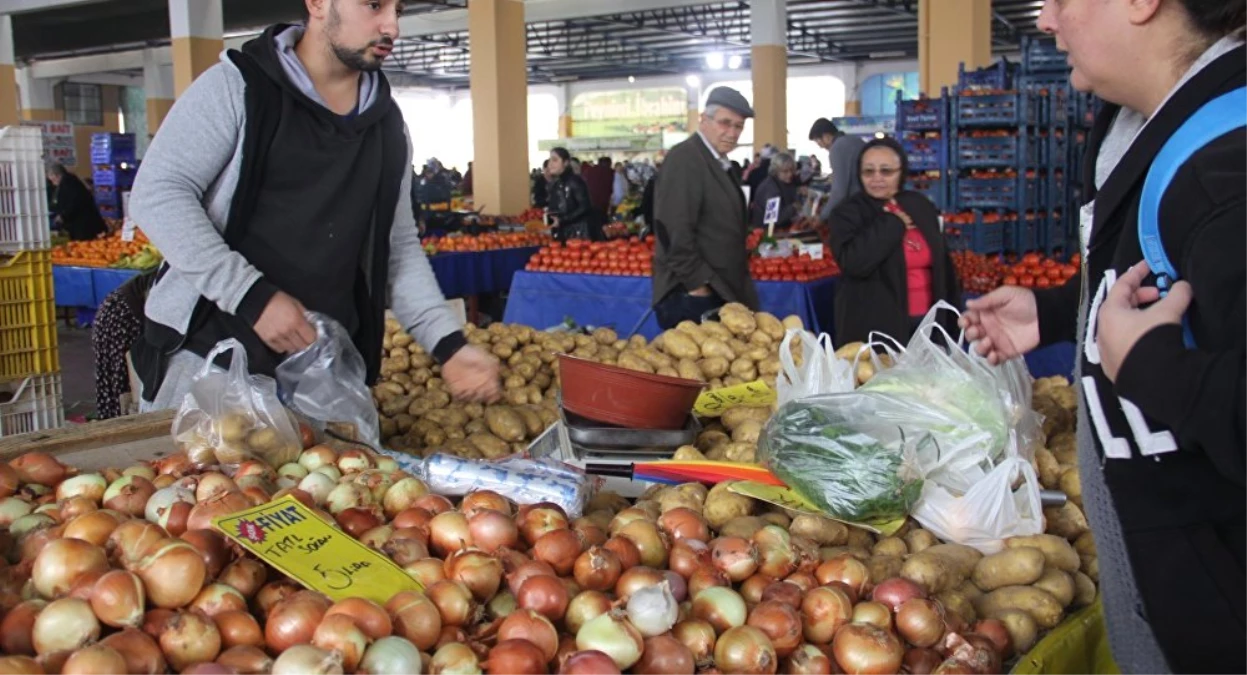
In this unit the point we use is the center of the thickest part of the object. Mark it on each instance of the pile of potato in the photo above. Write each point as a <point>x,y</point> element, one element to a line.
<point>1057,467</point>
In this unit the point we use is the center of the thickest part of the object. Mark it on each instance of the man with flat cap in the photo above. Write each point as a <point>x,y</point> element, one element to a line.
<point>701,220</point>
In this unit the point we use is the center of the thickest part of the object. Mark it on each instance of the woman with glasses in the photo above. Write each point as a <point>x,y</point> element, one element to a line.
<point>887,241</point>
<point>780,184</point>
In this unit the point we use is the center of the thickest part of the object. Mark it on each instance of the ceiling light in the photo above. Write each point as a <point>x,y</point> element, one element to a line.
<point>880,134</point>
<point>693,81</point>
<point>714,61</point>
<point>734,61</point>
<point>631,79</point>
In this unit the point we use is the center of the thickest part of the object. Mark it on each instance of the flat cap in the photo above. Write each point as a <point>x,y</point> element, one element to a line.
<point>731,99</point>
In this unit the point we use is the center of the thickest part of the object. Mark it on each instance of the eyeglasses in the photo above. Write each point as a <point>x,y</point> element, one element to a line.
<point>885,171</point>
<point>726,124</point>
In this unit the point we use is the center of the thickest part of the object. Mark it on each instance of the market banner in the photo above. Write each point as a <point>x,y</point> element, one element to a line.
<point>630,112</point>
<point>58,141</point>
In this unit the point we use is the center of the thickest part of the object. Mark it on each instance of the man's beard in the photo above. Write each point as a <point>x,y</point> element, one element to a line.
<point>355,59</point>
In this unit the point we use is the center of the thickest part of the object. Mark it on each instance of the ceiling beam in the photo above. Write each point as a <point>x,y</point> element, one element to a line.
<point>25,6</point>
<point>455,20</point>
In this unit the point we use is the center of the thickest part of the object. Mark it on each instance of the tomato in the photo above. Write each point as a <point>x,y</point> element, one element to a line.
<point>1054,273</point>
<point>1011,280</point>
<point>1027,281</point>
<point>1031,259</point>
<point>1043,282</point>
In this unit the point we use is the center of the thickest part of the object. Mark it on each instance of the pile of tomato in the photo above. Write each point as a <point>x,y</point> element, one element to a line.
<point>1036,271</point>
<point>978,273</point>
<point>631,257</point>
<point>456,243</point>
<point>800,268</point>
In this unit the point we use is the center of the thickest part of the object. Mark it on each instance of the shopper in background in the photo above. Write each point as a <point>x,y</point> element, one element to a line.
<point>73,204</point>
<point>278,184</point>
<point>619,190</point>
<point>465,185</point>
<point>701,219</point>
<point>541,185</point>
<point>843,152</point>
<point>1160,424</point>
<point>761,170</point>
<point>893,263</point>
<point>118,325</point>
<point>569,206</point>
<point>782,185</point>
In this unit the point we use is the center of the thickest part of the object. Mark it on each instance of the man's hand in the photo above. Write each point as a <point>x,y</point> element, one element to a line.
<point>1122,323</point>
<point>473,375</point>
<point>283,327</point>
<point>1002,324</point>
<point>701,291</point>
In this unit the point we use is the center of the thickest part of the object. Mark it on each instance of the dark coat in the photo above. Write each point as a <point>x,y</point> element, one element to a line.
<point>701,225</point>
<point>867,243</point>
<point>569,201</point>
<point>76,206</point>
<point>770,188</point>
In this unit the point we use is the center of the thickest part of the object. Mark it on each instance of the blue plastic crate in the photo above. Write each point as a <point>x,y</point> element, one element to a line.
<point>121,178</point>
<point>112,157</point>
<point>1012,193</point>
<point>1039,56</point>
<point>923,114</point>
<point>107,197</point>
<point>997,76</point>
<point>110,210</point>
<point>978,237</point>
<point>1025,235</point>
<point>1036,83</point>
<point>1086,107</point>
<point>934,188</point>
<point>926,154</point>
<point>1013,109</point>
<point>112,140</point>
<point>1058,153</point>
<point>1000,151</point>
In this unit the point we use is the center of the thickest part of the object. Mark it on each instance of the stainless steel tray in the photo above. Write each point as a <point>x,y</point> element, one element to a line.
<point>597,436</point>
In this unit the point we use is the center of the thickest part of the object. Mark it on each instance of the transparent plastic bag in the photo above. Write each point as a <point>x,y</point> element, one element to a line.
<point>326,382</point>
<point>229,417</point>
<point>820,371</point>
<point>991,511</point>
<point>523,481</point>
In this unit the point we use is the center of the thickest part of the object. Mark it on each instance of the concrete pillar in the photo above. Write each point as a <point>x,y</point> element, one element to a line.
<point>8,75</point>
<point>952,32</point>
<point>852,108</point>
<point>159,87</point>
<point>769,23</point>
<point>694,106</point>
<point>499,79</point>
<point>38,98</point>
<point>198,31</point>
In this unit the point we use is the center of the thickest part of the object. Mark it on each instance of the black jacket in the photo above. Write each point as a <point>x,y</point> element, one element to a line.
<point>867,243</point>
<point>759,173</point>
<point>569,200</point>
<point>1181,505</point>
<point>770,188</point>
<point>540,191</point>
<point>76,206</point>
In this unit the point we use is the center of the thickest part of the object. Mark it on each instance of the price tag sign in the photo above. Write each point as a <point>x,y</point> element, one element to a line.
<point>771,216</point>
<point>127,230</point>
<point>714,403</point>
<point>291,537</point>
<point>790,499</point>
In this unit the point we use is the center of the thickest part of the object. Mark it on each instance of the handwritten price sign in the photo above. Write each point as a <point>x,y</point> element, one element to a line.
<point>714,403</point>
<point>289,536</point>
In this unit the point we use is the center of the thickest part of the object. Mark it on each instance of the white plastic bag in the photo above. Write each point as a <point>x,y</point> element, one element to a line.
<point>820,371</point>
<point>326,383</point>
<point>991,511</point>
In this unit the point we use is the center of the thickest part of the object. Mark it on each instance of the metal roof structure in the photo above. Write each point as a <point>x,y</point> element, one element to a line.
<point>663,40</point>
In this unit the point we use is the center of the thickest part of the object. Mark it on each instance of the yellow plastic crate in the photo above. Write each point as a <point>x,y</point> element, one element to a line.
<point>27,315</point>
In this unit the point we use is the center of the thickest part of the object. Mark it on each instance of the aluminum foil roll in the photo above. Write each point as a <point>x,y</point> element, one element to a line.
<point>521,481</point>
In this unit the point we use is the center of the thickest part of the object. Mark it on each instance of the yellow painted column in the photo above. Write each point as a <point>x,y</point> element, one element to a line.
<point>159,88</point>
<point>198,31</point>
<point>37,98</point>
<point>952,32</point>
<point>852,108</point>
<point>9,104</point>
<point>769,23</point>
<point>499,80</point>
<point>565,126</point>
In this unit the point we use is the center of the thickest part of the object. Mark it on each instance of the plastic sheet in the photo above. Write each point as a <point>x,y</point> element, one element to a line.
<point>523,481</point>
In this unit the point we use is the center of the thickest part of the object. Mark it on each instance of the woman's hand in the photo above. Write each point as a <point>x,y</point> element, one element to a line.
<point>895,209</point>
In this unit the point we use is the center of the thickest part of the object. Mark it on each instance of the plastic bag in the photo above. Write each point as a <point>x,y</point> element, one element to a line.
<point>230,417</point>
<point>820,371</point>
<point>991,511</point>
<point>326,382</point>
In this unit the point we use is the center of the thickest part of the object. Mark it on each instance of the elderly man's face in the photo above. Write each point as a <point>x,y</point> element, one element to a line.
<point>723,129</point>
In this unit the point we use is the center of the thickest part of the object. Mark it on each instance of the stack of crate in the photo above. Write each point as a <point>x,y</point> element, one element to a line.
<point>30,379</point>
<point>922,128</point>
<point>114,163</point>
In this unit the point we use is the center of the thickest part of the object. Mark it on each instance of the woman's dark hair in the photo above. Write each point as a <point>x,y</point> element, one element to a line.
<point>1217,18</point>
<point>893,145</point>
<point>565,156</point>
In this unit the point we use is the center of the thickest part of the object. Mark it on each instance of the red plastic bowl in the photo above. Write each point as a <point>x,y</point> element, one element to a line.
<point>625,397</point>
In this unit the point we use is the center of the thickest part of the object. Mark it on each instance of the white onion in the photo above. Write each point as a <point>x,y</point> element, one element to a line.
<point>653,610</point>
<point>308,660</point>
<point>65,625</point>
<point>391,656</point>
<point>293,470</point>
<point>89,485</point>
<point>12,508</point>
<point>318,485</point>
<point>612,634</point>
<point>329,470</point>
<point>29,523</point>
<point>165,498</point>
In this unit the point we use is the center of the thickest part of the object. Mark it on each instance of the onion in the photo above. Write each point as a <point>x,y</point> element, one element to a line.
<point>653,610</point>
<point>293,471</point>
<point>502,605</point>
<point>679,587</point>
<point>129,495</point>
<point>920,622</point>
<point>16,630</point>
<point>272,593</point>
<point>699,636</point>
<point>209,669</point>
<point>214,548</point>
<point>371,618</point>
<point>776,556</point>
<point>330,471</point>
<point>782,591</point>
<point>140,651</point>
<point>635,579</point>
<point>29,523</point>
<point>413,518</point>
<point>173,574</point>
<point>306,659</point>
<point>434,504</point>
<point>355,460</point>
<point>390,656</point>
<point>628,553</point>
<point>545,595</point>
<point>752,588</point>
<point>39,468</point>
<point>318,485</point>
<point>559,549</point>
<point>212,484</point>
<point>205,512</point>
<point>454,658</point>
<point>780,623</point>
<point>427,571</point>
<point>526,624</point>
<point>954,667</point>
<point>415,618</point>
<point>978,651</point>
<point>707,577</point>
<point>89,485</point>
<point>491,530</point>
<point>9,480</point>
<point>405,551</point>
<point>586,606</point>
<point>118,599</point>
<point>317,456</point>
<point>134,540</point>
<point>480,572</point>
<point>246,660</point>
<point>339,634</point>
<point>62,562</point>
<point>217,598</point>
<point>684,523</point>
<point>485,499</point>
<point>721,607</point>
<point>293,621</point>
<point>628,515</point>
<point>687,555</point>
<point>254,468</point>
<point>803,580</point>
<point>94,660</point>
<point>665,655</point>
<point>650,542</point>
<point>823,611</point>
<point>994,630</point>
<point>863,649</point>
<point>597,569</point>
<point>589,532</point>
<point>454,602</point>
<point>589,662</point>
<point>539,520</point>
<point>448,532</point>
<point>155,621</point>
<point>874,613</point>
<point>847,570</point>
<point>163,499</point>
<point>516,657</point>
<point>615,636</point>
<point>238,628</point>
<point>94,527</point>
<point>190,638</point>
<point>70,508</point>
<point>920,661</point>
<point>12,508</point>
<point>808,660</point>
<point>747,650</point>
<point>520,574</point>
<point>895,591</point>
<point>30,546</point>
<point>64,625</point>
<point>358,520</point>
<point>246,575</point>
<point>175,519</point>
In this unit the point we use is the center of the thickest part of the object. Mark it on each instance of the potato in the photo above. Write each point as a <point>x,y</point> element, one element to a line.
<point>389,428</point>
<point>826,553</point>
<point>532,421</point>
<point>883,567</point>
<point>716,348</point>
<point>953,601</point>
<point>861,538</point>
<point>672,499</point>
<point>1023,631</point>
<point>737,319</point>
<point>502,351</point>
<point>514,382</point>
<point>963,558</point>
<point>747,432</point>
<point>712,438</point>
<point>448,417</point>
<point>605,336</point>
<point>932,572</point>
<point>732,381</point>
<point>757,353</point>
<point>1010,567</point>
<point>505,423</point>
<point>438,399</point>
<point>1043,608</point>
<point>455,434</point>
<point>693,331</point>
<point>422,361</point>
<point>1090,565</point>
<point>1057,583</point>
<point>1071,485</point>
<point>234,427</point>
<point>489,445</point>
<point>740,452</point>
<point>744,369</point>
<point>761,339</point>
<point>920,540</point>
<point>823,531</point>
<point>865,371</point>
<point>890,546</point>
<point>434,438</point>
<point>769,324</point>
<point>667,372</point>
<point>744,527</point>
<point>633,361</point>
<point>474,410</point>
<point>1048,468</point>
<point>1057,551</point>
<point>1085,544</point>
<point>687,369</point>
<point>679,345</point>
<point>1067,521</point>
<point>793,322</point>
<point>718,453</point>
<point>637,341</point>
<point>716,330</point>
<point>769,366</point>
<point>713,367</point>
<point>969,590</point>
<point>515,397</point>
<point>548,415</point>
<point>413,406</point>
<point>1084,590</point>
<point>723,505</point>
<point>734,417</point>
<point>475,426</point>
<point>739,347</point>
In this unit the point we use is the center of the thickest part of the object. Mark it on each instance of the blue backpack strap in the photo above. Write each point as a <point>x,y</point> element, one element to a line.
<point>1213,120</point>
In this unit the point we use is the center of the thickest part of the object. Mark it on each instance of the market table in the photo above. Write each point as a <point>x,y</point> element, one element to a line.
<point>85,288</point>
<point>462,275</point>
<point>545,299</point>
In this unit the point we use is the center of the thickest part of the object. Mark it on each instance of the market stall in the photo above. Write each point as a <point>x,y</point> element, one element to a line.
<point>462,275</point>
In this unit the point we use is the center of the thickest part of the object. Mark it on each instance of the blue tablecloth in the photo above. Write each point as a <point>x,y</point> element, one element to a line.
<point>86,287</point>
<point>542,300</point>
<point>474,273</point>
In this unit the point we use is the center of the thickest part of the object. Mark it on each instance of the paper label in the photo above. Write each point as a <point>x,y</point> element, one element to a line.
<point>291,537</point>
<point>772,211</point>
<point>789,499</point>
<point>714,403</point>
<point>127,230</point>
